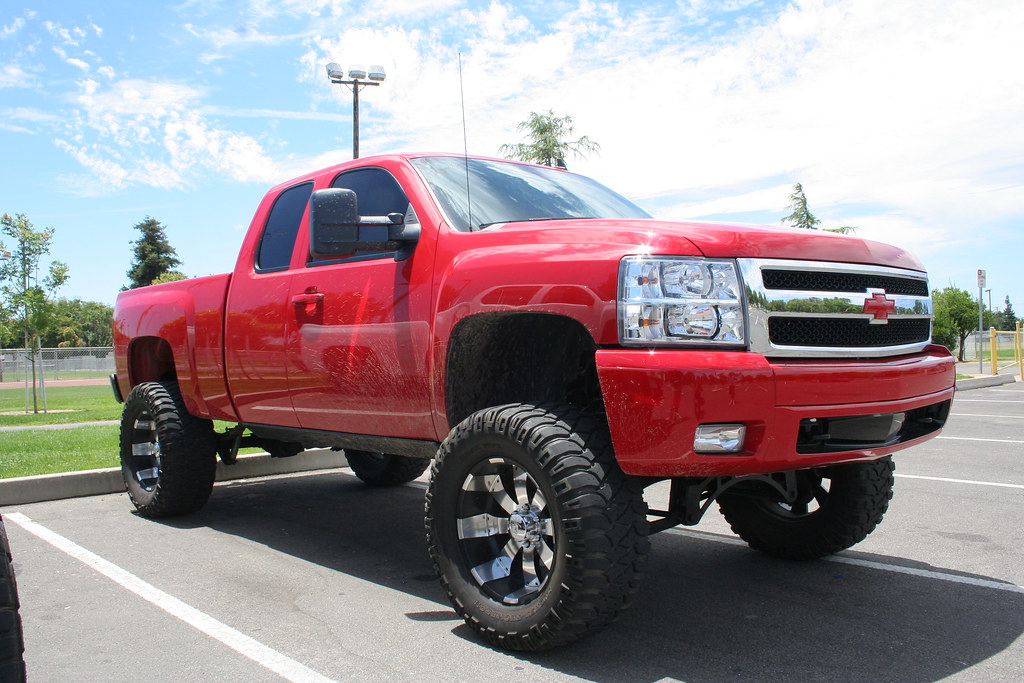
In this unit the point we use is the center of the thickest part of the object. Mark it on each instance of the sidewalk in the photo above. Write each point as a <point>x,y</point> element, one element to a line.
<point>1007,375</point>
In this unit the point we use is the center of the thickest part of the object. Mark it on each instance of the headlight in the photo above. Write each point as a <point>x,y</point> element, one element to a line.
<point>665,300</point>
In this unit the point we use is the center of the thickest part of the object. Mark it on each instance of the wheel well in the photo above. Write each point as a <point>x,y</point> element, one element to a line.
<point>150,359</point>
<point>500,358</point>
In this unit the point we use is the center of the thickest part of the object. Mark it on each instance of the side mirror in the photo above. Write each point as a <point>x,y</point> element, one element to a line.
<point>337,229</point>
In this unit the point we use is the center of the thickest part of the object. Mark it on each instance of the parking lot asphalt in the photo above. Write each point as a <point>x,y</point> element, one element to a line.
<point>314,576</point>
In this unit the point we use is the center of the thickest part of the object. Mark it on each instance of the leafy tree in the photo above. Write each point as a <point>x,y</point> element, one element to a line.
<point>79,323</point>
<point>169,276</point>
<point>154,255</point>
<point>548,140</point>
<point>801,216</point>
<point>956,316</point>
<point>27,300</point>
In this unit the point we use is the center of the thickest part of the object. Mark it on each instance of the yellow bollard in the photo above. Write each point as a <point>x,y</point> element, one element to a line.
<point>1019,345</point>
<point>994,345</point>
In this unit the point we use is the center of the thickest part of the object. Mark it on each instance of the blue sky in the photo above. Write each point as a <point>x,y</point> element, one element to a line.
<point>903,118</point>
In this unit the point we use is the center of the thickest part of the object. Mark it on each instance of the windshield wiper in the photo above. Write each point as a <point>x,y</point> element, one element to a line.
<point>531,220</point>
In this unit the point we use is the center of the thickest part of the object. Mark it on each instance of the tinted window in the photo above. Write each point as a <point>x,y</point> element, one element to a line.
<point>500,192</point>
<point>377,191</point>
<point>278,241</point>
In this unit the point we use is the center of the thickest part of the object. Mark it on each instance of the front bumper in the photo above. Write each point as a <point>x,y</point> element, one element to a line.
<point>656,399</point>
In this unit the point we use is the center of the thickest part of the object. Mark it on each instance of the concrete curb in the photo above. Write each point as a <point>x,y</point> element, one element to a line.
<point>23,490</point>
<point>982,382</point>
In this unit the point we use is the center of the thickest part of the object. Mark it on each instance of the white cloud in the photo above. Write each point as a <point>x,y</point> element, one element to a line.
<point>137,132</point>
<point>79,64</point>
<point>12,28</point>
<point>13,76</point>
<point>67,36</point>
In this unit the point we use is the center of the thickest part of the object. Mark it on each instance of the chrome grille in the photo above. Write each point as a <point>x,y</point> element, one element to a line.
<point>811,309</point>
<point>841,282</point>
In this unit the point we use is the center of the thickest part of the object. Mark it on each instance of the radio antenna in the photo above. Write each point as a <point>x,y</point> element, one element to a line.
<point>465,144</point>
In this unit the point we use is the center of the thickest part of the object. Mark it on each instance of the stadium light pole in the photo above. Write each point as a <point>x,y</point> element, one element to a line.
<point>358,78</point>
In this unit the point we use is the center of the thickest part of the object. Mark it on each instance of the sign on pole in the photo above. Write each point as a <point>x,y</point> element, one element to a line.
<point>981,316</point>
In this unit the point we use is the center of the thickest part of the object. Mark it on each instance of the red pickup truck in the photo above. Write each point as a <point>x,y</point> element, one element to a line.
<point>553,351</point>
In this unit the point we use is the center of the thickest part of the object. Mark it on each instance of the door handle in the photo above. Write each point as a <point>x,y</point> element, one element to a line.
<point>308,298</point>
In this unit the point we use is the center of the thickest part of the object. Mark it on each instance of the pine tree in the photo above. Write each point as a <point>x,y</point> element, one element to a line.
<point>1007,317</point>
<point>803,218</point>
<point>154,255</point>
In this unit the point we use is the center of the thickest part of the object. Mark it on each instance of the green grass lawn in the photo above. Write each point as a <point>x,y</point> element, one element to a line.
<point>46,451</point>
<point>1002,353</point>
<point>86,403</point>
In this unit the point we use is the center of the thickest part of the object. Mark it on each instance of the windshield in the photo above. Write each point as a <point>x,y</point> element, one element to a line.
<point>501,192</point>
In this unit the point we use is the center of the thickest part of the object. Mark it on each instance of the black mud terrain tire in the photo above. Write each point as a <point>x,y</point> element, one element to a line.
<point>536,534</point>
<point>838,507</point>
<point>383,469</point>
<point>168,457</point>
<point>12,643</point>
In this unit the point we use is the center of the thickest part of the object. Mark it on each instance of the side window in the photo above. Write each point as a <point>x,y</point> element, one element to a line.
<point>377,190</point>
<point>278,240</point>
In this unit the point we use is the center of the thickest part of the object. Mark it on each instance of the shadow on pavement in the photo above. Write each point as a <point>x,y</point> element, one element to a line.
<point>706,611</point>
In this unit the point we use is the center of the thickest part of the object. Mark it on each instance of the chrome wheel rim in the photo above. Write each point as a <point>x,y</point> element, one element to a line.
<point>505,531</point>
<point>144,463</point>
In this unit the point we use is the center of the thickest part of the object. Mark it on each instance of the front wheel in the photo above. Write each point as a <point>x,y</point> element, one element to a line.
<point>168,457</point>
<point>537,536</point>
<point>836,507</point>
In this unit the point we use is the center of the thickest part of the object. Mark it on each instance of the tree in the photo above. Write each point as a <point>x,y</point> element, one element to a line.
<point>169,276</point>
<point>79,323</point>
<point>802,216</point>
<point>548,141</point>
<point>154,255</point>
<point>1006,319</point>
<point>956,316</point>
<point>26,298</point>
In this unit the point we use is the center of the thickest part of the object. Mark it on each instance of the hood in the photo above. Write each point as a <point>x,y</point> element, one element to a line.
<point>720,240</point>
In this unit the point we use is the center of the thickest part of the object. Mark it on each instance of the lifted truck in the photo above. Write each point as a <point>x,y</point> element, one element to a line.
<point>553,350</point>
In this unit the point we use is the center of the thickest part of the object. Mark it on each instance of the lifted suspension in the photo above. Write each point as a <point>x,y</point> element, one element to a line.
<point>690,497</point>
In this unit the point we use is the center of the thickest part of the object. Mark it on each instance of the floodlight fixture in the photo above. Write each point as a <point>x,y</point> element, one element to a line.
<point>376,73</point>
<point>356,72</point>
<point>335,72</point>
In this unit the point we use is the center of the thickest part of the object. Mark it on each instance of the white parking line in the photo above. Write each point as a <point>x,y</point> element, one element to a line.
<point>971,438</point>
<point>962,481</point>
<point>1011,417</point>
<point>868,564</point>
<point>986,400</point>
<point>284,666</point>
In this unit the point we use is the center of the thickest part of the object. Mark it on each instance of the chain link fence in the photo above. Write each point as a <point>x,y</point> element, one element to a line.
<point>16,365</point>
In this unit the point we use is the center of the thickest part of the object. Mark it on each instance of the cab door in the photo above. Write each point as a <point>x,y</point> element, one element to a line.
<point>359,345</point>
<point>259,310</point>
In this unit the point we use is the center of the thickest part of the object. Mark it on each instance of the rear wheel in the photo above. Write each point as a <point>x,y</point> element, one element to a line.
<point>383,469</point>
<point>536,534</point>
<point>168,457</point>
<point>12,644</point>
<point>836,507</point>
